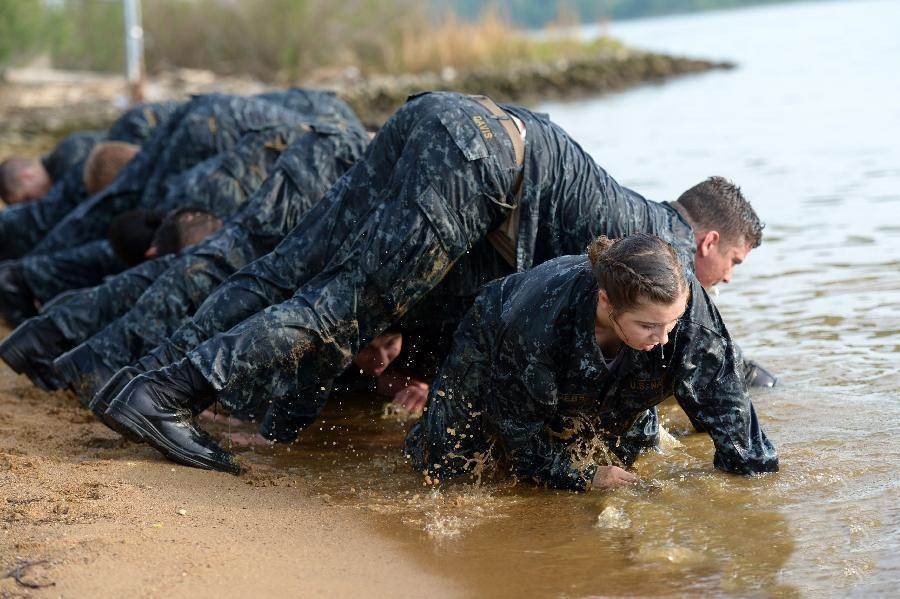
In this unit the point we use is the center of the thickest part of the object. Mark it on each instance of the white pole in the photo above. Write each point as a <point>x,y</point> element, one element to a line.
<point>134,49</point>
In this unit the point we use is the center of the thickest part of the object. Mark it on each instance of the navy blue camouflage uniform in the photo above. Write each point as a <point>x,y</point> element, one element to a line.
<point>526,385</point>
<point>204,127</point>
<point>199,129</point>
<point>218,185</point>
<point>72,150</point>
<point>71,317</point>
<point>24,225</point>
<point>324,150</point>
<point>432,186</point>
<point>305,171</point>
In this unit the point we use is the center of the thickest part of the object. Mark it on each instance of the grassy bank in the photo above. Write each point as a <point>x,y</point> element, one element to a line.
<point>277,41</point>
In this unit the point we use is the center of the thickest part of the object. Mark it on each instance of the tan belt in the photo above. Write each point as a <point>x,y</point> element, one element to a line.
<point>504,238</point>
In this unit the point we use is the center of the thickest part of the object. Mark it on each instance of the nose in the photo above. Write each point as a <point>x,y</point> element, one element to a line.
<point>726,278</point>
<point>664,338</point>
<point>662,335</point>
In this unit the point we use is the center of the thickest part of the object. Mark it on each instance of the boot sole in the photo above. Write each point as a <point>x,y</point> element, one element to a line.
<point>139,426</point>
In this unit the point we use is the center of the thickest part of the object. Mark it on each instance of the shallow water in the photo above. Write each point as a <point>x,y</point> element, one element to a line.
<point>808,126</point>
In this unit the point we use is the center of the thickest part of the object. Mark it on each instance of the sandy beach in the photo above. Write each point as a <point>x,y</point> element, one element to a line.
<point>85,513</point>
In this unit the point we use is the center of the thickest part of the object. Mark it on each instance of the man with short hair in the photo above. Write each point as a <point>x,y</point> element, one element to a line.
<point>131,234</point>
<point>725,228</point>
<point>235,131</point>
<point>170,288</point>
<point>24,225</point>
<point>23,180</point>
<point>448,197</point>
<point>28,179</point>
<point>105,162</point>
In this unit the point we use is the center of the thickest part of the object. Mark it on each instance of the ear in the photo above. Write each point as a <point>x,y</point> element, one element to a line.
<point>152,252</point>
<point>603,302</point>
<point>708,243</point>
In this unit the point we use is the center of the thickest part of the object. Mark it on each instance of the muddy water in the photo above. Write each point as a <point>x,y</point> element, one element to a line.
<point>808,125</point>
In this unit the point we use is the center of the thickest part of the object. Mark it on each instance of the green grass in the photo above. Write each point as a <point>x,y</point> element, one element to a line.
<point>278,40</point>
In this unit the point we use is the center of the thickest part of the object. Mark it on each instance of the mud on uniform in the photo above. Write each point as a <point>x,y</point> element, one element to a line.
<point>317,157</point>
<point>201,129</point>
<point>430,189</point>
<point>527,384</point>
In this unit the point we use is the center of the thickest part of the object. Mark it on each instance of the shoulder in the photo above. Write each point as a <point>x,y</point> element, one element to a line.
<point>701,322</point>
<point>542,293</point>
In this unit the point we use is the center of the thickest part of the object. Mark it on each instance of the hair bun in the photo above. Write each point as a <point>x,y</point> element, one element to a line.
<point>597,247</point>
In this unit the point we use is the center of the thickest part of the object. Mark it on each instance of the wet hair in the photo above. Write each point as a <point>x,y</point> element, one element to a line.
<point>131,234</point>
<point>717,204</point>
<point>637,269</point>
<point>11,171</point>
<point>184,227</point>
<point>105,162</point>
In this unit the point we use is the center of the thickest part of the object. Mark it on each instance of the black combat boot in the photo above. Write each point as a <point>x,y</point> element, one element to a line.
<point>107,393</point>
<point>30,350</point>
<point>757,376</point>
<point>16,300</point>
<point>157,407</point>
<point>83,371</point>
<point>159,357</point>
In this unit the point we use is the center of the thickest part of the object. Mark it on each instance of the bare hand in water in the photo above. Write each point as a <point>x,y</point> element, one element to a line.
<point>412,397</point>
<point>608,477</point>
<point>220,418</point>
<point>248,440</point>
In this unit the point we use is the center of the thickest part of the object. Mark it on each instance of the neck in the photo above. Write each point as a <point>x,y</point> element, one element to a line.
<point>605,333</point>
<point>684,214</point>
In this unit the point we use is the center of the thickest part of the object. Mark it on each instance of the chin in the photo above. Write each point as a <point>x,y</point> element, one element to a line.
<point>643,346</point>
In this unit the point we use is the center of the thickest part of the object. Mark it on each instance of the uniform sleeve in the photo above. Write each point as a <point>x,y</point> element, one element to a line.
<point>711,391</point>
<point>524,408</point>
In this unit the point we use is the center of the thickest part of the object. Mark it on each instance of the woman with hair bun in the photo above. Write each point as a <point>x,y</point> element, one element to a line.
<point>553,372</point>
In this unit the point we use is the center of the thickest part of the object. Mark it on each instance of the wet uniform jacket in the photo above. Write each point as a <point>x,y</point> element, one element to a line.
<point>23,226</point>
<point>305,171</point>
<point>526,382</point>
<point>265,221</point>
<point>204,127</point>
<point>433,183</point>
<point>200,128</point>
<point>72,150</point>
<point>219,185</point>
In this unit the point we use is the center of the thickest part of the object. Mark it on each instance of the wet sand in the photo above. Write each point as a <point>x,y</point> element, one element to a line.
<point>87,514</point>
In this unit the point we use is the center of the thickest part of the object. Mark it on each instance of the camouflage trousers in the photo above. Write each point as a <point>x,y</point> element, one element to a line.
<point>49,275</point>
<point>428,189</point>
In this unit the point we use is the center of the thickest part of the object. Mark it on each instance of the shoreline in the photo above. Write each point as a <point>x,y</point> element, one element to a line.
<point>37,107</point>
<point>85,513</point>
